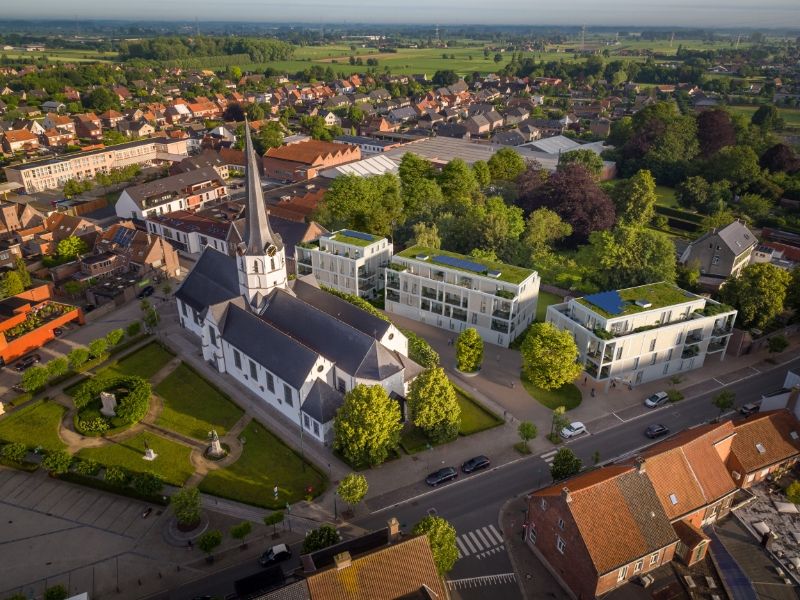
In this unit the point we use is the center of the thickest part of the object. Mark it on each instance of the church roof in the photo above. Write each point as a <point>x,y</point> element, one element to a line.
<point>213,279</point>
<point>322,401</point>
<point>259,235</point>
<point>378,363</point>
<point>269,347</point>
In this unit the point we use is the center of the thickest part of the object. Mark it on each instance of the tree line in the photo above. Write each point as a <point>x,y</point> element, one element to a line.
<point>176,47</point>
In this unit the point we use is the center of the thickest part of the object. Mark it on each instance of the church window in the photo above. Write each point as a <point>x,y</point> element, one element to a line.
<point>253,370</point>
<point>183,309</point>
<point>287,394</point>
<point>237,359</point>
<point>270,383</point>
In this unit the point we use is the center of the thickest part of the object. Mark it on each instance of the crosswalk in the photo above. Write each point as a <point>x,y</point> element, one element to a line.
<point>473,582</point>
<point>549,456</point>
<point>480,542</point>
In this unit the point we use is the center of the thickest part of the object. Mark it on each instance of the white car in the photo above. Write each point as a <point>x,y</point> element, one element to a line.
<point>656,399</point>
<point>573,430</point>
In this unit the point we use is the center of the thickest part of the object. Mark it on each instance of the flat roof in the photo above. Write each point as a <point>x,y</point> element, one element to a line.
<point>65,157</point>
<point>658,295</point>
<point>362,139</point>
<point>354,238</point>
<point>507,273</point>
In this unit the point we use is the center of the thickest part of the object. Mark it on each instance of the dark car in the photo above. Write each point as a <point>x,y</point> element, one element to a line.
<point>148,291</point>
<point>275,554</point>
<point>26,363</point>
<point>656,430</point>
<point>441,476</point>
<point>58,332</point>
<point>475,464</point>
<point>748,409</point>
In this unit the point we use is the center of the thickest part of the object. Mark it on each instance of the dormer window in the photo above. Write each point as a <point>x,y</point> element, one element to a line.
<point>760,448</point>
<point>673,499</point>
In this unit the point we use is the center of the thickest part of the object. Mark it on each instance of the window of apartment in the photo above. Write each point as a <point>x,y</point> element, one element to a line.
<point>654,558</point>
<point>638,566</point>
<point>652,344</point>
<point>213,335</point>
<point>560,544</point>
<point>669,354</point>
<point>619,352</point>
<point>287,394</point>
<point>561,524</point>
<point>532,534</point>
<point>237,359</point>
<point>543,504</point>
<point>307,422</point>
<point>270,383</point>
<point>666,368</point>
<point>316,428</point>
<point>253,370</point>
<point>183,309</point>
<point>622,573</point>
<point>636,363</point>
<point>680,338</point>
<point>715,260</point>
<point>654,358</point>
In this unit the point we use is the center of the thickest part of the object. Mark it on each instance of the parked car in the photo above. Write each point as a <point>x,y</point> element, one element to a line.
<point>656,399</point>
<point>656,430</point>
<point>58,332</point>
<point>27,362</point>
<point>573,429</point>
<point>476,463</point>
<point>89,308</point>
<point>274,555</point>
<point>749,409</point>
<point>441,476</point>
<point>147,291</point>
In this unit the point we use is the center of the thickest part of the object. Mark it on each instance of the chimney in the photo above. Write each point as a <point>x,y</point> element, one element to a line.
<point>342,560</point>
<point>640,465</point>
<point>566,495</point>
<point>394,530</point>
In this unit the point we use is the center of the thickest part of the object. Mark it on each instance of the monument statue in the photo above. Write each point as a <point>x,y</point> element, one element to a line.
<point>109,401</point>
<point>216,450</point>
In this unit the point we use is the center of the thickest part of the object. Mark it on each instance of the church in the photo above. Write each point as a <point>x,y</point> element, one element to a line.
<point>295,346</point>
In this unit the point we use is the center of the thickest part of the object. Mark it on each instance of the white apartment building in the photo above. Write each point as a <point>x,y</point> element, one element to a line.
<point>644,333</point>
<point>53,173</point>
<point>349,261</point>
<point>455,292</point>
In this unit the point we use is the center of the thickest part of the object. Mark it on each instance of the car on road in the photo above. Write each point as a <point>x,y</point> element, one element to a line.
<point>476,463</point>
<point>27,362</point>
<point>276,554</point>
<point>573,429</point>
<point>656,430</point>
<point>58,332</point>
<point>148,291</point>
<point>748,409</point>
<point>656,399</point>
<point>441,476</point>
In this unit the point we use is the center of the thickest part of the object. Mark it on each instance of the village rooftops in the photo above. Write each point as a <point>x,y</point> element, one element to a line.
<point>76,155</point>
<point>468,264</point>
<point>308,152</point>
<point>653,296</point>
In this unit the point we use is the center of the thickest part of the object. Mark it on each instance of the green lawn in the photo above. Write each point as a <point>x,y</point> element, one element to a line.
<point>568,396</point>
<point>193,407</point>
<point>474,417</point>
<point>666,196</point>
<point>790,116</point>
<point>413,440</point>
<point>265,462</point>
<point>145,362</point>
<point>172,464</point>
<point>34,425</point>
<point>545,300</point>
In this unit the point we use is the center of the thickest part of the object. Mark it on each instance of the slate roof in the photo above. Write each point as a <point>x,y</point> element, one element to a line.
<point>213,279</point>
<point>174,184</point>
<point>617,513</point>
<point>268,346</point>
<point>736,236</point>
<point>322,401</point>
<point>773,432</point>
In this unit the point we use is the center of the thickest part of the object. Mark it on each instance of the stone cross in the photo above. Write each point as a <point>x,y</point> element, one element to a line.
<point>109,404</point>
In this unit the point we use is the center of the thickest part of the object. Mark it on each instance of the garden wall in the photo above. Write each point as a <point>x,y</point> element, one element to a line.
<point>743,343</point>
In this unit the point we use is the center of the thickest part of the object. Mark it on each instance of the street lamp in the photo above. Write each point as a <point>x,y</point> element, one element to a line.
<point>335,506</point>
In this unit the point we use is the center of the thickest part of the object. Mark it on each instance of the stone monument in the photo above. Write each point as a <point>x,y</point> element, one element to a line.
<point>109,401</point>
<point>215,450</point>
<point>148,452</point>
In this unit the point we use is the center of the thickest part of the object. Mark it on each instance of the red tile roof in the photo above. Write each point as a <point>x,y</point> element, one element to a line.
<point>309,151</point>
<point>770,431</point>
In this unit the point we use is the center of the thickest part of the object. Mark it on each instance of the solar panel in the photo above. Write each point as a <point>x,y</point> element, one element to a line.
<point>611,302</point>
<point>358,235</point>
<point>459,263</point>
<point>123,236</point>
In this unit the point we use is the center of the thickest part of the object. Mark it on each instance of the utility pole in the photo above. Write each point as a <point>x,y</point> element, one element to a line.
<point>583,37</point>
<point>738,37</point>
<point>437,33</point>
<point>671,39</point>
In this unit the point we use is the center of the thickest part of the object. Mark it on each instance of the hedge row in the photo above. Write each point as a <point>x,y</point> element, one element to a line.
<point>683,215</point>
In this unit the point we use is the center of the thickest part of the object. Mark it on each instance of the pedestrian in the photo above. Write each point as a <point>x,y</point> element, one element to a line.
<point>190,544</point>
<point>585,379</point>
<point>592,392</point>
<point>512,385</point>
<point>613,384</point>
<point>630,387</point>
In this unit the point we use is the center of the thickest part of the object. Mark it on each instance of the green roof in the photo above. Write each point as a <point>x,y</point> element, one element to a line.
<point>341,236</point>
<point>659,295</point>
<point>508,273</point>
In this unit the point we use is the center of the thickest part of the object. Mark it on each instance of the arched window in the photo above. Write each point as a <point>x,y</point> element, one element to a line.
<point>255,266</point>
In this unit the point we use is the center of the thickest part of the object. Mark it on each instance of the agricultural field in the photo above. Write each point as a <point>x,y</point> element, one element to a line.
<point>791,116</point>
<point>61,55</point>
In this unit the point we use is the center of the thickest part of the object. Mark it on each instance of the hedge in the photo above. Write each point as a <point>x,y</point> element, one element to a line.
<point>99,484</point>
<point>683,215</point>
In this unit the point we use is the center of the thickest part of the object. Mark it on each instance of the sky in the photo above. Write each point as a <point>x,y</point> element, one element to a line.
<point>746,14</point>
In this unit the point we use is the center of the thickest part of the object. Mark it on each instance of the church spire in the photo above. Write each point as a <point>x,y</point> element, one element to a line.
<point>259,236</point>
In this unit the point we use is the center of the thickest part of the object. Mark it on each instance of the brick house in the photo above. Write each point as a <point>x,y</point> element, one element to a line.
<point>304,160</point>
<point>88,125</point>
<point>136,251</point>
<point>764,443</point>
<point>20,140</point>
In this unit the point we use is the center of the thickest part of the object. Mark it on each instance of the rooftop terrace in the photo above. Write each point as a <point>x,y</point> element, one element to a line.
<point>354,238</point>
<point>619,303</point>
<point>468,264</point>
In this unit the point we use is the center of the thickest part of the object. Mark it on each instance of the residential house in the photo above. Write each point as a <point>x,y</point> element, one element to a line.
<point>764,443</point>
<point>20,140</point>
<point>88,125</point>
<point>477,125</point>
<point>332,120</point>
<point>304,160</point>
<point>137,251</point>
<point>53,106</point>
<point>111,118</point>
<point>53,138</point>
<point>721,253</point>
<point>62,123</point>
<point>15,216</point>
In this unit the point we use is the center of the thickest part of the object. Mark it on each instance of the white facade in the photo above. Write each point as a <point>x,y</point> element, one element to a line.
<point>191,242</point>
<point>199,196</point>
<point>344,263</point>
<point>645,343</point>
<point>422,289</point>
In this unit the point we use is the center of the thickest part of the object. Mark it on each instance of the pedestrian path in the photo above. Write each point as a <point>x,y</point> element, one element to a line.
<point>480,542</point>
<point>549,456</point>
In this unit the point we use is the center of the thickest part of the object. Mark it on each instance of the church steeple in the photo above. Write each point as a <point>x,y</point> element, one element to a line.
<point>262,259</point>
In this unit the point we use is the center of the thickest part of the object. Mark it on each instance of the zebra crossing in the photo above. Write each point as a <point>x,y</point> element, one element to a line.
<point>473,582</point>
<point>480,542</point>
<point>549,456</point>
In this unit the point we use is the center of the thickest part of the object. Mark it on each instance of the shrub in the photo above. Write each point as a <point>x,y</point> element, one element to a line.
<point>88,468</point>
<point>241,530</point>
<point>209,541</point>
<point>57,462</point>
<point>133,329</point>
<point>147,484</point>
<point>793,492</point>
<point>15,452</point>
<point>469,350</point>
<point>57,592</point>
<point>674,395</point>
<point>93,425</point>
<point>57,367</point>
<point>98,347</point>
<point>777,344</point>
<point>114,337</point>
<point>420,351</point>
<point>186,506</point>
<point>77,358</point>
<point>116,476</point>
<point>319,538</point>
<point>131,407</point>
<point>35,378</point>
<point>274,519</point>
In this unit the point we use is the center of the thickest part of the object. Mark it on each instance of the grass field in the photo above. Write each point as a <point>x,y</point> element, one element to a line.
<point>545,300</point>
<point>790,116</point>
<point>34,425</point>
<point>666,196</point>
<point>265,463</point>
<point>568,395</point>
<point>172,463</point>
<point>194,407</point>
<point>145,362</point>
<point>59,55</point>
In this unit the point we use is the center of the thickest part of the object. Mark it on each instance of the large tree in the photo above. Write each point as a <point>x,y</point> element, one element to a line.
<point>506,165</point>
<point>442,539</point>
<point>715,131</point>
<point>542,230</point>
<point>589,159</point>
<point>628,256</point>
<point>758,293</point>
<point>565,464</point>
<point>469,350</point>
<point>780,157</point>
<point>458,184</point>
<point>736,164</point>
<point>352,488</point>
<point>548,356</point>
<point>367,426</point>
<point>434,405</point>
<point>635,199</point>
<point>186,506</point>
<point>101,99</point>
<point>767,118</point>
<point>369,204</point>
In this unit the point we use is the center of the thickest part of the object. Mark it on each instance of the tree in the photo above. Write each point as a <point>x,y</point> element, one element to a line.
<point>101,99</point>
<point>209,541</point>
<point>12,284</point>
<point>793,492</point>
<point>114,337</point>
<point>56,592</point>
<point>22,271</point>
<point>241,530</point>
<point>442,539</point>
<point>542,230</point>
<point>565,464</point>
<point>724,401</point>
<point>699,194</point>
<point>527,431</point>
<point>420,351</point>
<point>57,461</point>
<point>735,164</point>
<point>367,426</point>
<point>780,158</point>
<point>755,206</point>
<point>427,235</point>
<point>269,136</point>
<point>506,165</point>
<point>352,489</point>
<point>151,318</point>
<point>469,350</point>
<point>793,292</point>
<point>458,184</point>
<point>444,77</point>
<point>767,118</point>
<point>758,293</point>
<point>715,131</point>
<point>483,174</point>
<point>319,538</point>
<point>777,344</point>
<point>147,484</point>
<point>718,220</point>
<point>254,111</point>
<point>98,347</point>
<point>434,405</point>
<point>133,329</point>
<point>15,452</point>
<point>35,378</point>
<point>548,357</point>
<point>588,159</point>
<point>274,519</point>
<point>369,204</point>
<point>77,357</point>
<point>635,199</point>
<point>186,506</point>
<point>628,256</point>
<point>498,58</point>
<point>234,112</point>
<point>71,247</point>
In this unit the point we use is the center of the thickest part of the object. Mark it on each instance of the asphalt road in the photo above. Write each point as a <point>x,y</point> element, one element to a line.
<point>472,503</point>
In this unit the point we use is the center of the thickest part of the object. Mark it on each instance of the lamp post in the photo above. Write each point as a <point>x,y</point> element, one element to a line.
<point>335,506</point>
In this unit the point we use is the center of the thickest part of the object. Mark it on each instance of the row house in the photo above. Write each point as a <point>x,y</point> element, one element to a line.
<point>88,125</point>
<point>61,123</point>
<point>111,118</point>
<point>53,138</point>
<point>765,444</point>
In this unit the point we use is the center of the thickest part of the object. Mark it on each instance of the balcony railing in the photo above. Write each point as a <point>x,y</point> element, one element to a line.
<point>502,314</point>
<point>500,326</point>
<point>717,346</point>
<point>459,314</point>
<point>392,295</point>
<point>694,338</point>
<point>720,331</point>
<point>690,351</point>
<point>392,283</point>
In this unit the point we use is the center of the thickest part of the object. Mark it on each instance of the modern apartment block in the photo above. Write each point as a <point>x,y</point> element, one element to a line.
<point>644,333</point>
<point>454,292</point>
<point>345,260</point>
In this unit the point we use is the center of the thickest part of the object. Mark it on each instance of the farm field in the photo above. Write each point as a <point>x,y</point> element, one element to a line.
<point>791,116</point>
<point>60,55</point>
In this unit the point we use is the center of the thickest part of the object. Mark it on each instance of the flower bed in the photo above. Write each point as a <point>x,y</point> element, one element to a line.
<point>37,317</point>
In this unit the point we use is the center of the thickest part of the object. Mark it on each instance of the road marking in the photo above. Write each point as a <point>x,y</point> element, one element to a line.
<point>498,534</point>
<point>462,550</point>
<point>718,381</point>
<point>475,540</point>
<point>483,539</point>
<point>491,536</point>
<point>473,582</point>
<point>468,543</point>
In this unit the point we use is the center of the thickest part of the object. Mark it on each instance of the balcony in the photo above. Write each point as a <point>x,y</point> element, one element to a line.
<point>694,337</point>
<point>304,259</point>
<point>303,269</point>
<point>393,283</point>
<point>454,300</point>
<point>717,346</point>
<point>366,285</point>
<point>500,326</point>
<point>430,294</point>
<point>690,351</point>
<point>721,331</point>
<point>392,296</point>
<point>458,314</point>
<point>501,314</point>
